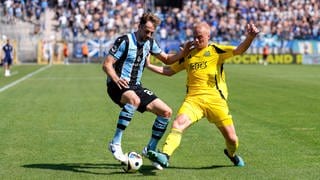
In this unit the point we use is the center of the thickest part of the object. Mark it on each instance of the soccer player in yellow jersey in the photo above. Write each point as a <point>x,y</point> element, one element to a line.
<point>206,91</point>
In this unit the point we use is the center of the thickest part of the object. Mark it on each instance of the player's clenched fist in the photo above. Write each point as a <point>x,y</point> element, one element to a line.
<point>252,30</point>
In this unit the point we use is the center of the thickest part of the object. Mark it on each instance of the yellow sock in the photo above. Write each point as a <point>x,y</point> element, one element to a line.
<point>232,148</point>
<point>172,142</point>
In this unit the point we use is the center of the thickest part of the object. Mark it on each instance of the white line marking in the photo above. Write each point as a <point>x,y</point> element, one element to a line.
<point>23,78</point>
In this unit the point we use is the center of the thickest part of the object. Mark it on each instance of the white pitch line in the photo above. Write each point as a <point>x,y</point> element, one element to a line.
<point>23,78</point>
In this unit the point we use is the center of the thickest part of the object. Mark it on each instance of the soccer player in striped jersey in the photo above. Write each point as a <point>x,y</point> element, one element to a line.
<point>206,92</point>
<point>124,66</point>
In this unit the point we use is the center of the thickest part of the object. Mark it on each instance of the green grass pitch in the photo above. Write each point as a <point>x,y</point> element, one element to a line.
<point>56,124</point>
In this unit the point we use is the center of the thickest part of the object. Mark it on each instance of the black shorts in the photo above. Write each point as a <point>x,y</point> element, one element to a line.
<point>146,96</point>
<point>264,56</point>
<point>7,61</point>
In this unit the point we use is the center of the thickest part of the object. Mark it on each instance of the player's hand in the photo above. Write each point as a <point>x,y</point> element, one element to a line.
<point>252,30</point>
<point>122,83</point>
<point>187,47</point>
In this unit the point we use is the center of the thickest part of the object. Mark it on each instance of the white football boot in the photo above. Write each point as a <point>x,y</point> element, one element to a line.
<point>117,153</point>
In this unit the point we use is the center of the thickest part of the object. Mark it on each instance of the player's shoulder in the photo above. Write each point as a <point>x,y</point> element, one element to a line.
<point>219,48</point>
<point>121,41</point>
<point>122,38</point>
<point>5,47</point>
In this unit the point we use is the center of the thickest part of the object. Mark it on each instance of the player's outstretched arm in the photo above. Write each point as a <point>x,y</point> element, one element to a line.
<point>172,58</point>
<point>163,70</point>
<point>252,32</point>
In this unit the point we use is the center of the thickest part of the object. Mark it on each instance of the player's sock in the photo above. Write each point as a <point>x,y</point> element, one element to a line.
<point>232,148</point>
<point>125,117</point>
<point>172,142</point>
<point>158,129</point>
<point>7,72</point>
<point>236,159</point>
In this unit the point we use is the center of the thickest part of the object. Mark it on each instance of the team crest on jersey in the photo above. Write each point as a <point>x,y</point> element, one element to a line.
<point>206,54</point>
<point>115,46</point>
<point>138,59</point>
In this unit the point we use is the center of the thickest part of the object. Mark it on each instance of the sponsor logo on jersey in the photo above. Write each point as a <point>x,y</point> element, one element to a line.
<point>198,65</point>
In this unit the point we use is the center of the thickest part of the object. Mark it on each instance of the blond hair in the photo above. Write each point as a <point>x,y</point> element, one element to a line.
<point>202,25</point>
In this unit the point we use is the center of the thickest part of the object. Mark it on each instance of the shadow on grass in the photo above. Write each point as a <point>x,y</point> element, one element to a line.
<point>150,170</point>
<point>89,168</point>
<point>201,168</point>
<point>75,167</point>
<point>95,169</point>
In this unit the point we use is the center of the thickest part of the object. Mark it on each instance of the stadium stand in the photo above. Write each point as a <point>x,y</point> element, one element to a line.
<point>284,24</point>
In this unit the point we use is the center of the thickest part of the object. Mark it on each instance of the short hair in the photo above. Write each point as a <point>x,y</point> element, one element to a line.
<point>202,25</point>
<point>149,17</point>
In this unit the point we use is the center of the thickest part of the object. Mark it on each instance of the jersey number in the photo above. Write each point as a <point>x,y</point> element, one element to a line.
<point>148,92</point>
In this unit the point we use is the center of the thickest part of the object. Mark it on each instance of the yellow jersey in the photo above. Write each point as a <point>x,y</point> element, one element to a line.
<point>205,74</point>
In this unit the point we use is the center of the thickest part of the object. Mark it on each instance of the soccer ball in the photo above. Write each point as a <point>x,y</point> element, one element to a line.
<point>134,162</point>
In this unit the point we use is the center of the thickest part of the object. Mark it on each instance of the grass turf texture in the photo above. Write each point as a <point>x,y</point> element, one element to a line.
<point>56,124</point>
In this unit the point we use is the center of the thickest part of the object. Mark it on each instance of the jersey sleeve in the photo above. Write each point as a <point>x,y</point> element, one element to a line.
<point>224,51</point>
<point>155,48</point>
<point>118,48</point>
<point>178,66</point>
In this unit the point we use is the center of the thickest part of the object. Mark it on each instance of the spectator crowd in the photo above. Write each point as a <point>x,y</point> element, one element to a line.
<point>23,9</point>
<point>286,20</point>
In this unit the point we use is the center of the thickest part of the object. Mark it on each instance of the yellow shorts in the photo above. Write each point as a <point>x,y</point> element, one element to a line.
<point>214,108</point>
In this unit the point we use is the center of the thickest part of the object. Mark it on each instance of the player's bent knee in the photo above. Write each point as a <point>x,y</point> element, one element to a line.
<point>181,124</point>
<point>135,102</point>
